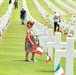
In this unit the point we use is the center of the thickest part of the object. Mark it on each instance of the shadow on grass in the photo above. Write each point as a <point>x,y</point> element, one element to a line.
<point>18,60</point>
<point>21,61</point>
<point>46,71</point>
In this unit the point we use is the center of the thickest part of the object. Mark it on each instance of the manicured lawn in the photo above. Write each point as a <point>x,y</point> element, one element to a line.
<point>12,54</point>
<point>4,7</point>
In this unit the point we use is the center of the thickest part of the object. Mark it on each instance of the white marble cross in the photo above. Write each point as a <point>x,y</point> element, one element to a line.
<point>45,38</point>
<point>0,28</point>
<point>69,53</point>
<point>0,31</point>
<point>57,44</point>
<point>75,31</point>
<point>51,37</point>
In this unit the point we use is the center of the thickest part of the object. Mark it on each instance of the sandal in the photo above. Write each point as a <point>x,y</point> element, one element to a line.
<point>27,60</point>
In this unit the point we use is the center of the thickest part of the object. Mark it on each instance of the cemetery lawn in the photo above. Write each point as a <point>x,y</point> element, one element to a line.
<point>12,54</point>
<point>3,7</point>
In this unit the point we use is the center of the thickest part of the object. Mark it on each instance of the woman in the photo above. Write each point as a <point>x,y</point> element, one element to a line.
<point>29,41</point>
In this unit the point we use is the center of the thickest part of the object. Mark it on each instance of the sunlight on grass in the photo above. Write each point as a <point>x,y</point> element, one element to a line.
<point>12,54</point>
<point>4,7</point>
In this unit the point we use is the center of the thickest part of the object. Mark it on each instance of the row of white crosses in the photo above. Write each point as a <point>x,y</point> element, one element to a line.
<point>40,9</point>
<point>54,8</point>
<point>38,27</point>
<point>24,4</point>
<point>57,44</point>
<point>63,24</point>
<point>48,36</point>
<point>75,32</point>
<point>69,8</point>
<point>28,16</point>
<point>45,40</point>
<point>68,45</point>
<point>72,28</point>
<point>63,15</point>
<point>73,19</point>
<point>5,18</point>
<point>71,3</point>
<point>56,41</point>
<point>69,53</point>
<point>64,44</point>
<point>66,7</point>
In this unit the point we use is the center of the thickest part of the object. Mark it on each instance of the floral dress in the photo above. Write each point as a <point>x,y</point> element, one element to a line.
<point>28,45</point>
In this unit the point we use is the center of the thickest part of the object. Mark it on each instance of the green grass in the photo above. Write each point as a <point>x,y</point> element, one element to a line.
<point>4,7</point>
<point>12,54</point>
<point>43,4</point>
<point>57,5</point>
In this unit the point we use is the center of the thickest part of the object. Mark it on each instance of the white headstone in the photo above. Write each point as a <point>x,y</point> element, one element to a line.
<point>48,37</point>
<point>0,31</point>
<point>51,37</point>
<point>69,53</point>
<point>57,44</point>
<point>75,31</point>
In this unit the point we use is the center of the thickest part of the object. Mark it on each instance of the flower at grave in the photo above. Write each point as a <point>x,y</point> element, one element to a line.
<point>65,32</point>
<point>59,70</point>
<point>70,34</point>
<point>60,30</point>
<point>42,16</point>
<point>48,58</point>
<point>46,21</point>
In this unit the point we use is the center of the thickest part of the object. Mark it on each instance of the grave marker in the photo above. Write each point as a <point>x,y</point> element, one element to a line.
<point>69,53</point>
<point>57,44</point>
<point>75,31</point>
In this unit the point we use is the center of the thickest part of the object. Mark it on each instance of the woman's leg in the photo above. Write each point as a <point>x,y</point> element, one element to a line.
<point>26,56</point>
<point>33,55</point>
<point>55,26</point>
<point>58,27</point>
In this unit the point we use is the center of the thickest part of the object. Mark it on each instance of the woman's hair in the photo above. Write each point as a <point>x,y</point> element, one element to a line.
<point>30,22</point>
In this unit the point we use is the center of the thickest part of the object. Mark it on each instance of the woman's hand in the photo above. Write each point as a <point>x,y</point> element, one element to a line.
<point>32,43</point>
